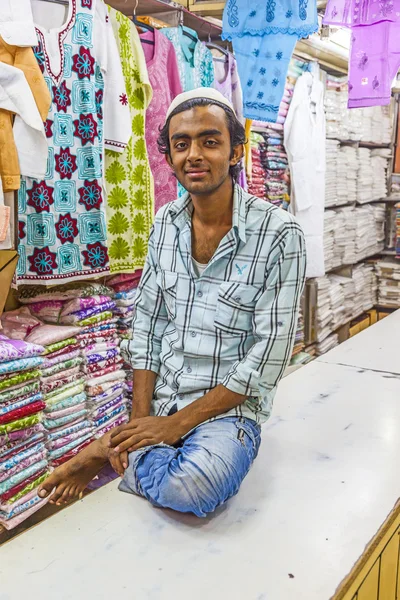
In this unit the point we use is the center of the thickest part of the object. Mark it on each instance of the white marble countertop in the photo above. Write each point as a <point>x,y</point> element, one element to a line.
<point>374,348</point>
<point>325,480</point>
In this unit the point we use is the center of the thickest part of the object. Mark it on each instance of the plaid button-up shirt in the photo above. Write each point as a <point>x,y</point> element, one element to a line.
<point>235,324</point>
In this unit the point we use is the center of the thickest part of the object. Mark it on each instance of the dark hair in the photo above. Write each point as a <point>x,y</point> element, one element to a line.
<point>236,129</point>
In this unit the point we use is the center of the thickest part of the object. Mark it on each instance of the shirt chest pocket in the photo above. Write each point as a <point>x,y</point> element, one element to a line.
<point>167,281</point>
<point>235,308</point>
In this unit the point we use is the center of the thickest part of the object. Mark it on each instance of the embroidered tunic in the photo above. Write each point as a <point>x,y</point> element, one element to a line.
<point>62,225</point>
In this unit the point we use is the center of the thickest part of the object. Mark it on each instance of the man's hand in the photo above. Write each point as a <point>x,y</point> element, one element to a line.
<point>146,431</point>
<point>119,462</point>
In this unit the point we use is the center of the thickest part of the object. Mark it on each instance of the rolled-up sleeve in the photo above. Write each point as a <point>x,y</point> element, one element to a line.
<point>150,318</point>
<point>275,318</point>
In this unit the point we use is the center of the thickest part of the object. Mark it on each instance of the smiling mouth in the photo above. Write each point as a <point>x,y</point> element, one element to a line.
<point>199,173</point>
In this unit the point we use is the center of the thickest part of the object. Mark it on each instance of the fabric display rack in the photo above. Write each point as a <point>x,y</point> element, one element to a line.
<point>79,225</point>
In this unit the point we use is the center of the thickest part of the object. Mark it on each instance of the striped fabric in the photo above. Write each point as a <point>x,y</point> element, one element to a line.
<point>235,325</point>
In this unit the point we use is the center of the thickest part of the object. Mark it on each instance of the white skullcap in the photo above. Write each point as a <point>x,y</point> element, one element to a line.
<point>202,92</point>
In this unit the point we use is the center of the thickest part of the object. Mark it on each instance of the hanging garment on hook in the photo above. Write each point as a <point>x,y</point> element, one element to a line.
<point>264,36</point>
<point>62,220</point>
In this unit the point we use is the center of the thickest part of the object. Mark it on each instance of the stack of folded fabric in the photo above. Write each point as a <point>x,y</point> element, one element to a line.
<point>379,167</point>
<point>275,162</point>
<point>388,273</point>
<point>23,454</point>
<point>299,339</point>
<point>350,159</point>
<point>324,312</point>
<point>365,177</point>
<point>331,175</point>
<point>329,239</point>
<point>327,344</point>
<point>87,308</point>
<point>336,301</point>
<point>369,230</point>
<point>105,383</point>
<point>256,183</point>
<point>345,236</point>
<point>125,289</point>
<point>63,385</point>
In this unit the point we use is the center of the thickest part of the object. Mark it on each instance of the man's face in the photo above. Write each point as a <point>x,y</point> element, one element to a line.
<point>201,149</point>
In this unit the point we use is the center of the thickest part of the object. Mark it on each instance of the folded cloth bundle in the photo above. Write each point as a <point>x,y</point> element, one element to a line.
<point>23,454</point>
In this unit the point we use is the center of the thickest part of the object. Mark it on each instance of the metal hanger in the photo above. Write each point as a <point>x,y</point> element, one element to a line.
<point>142,25</point>
<point>211,44</point>
<point>186,33</point>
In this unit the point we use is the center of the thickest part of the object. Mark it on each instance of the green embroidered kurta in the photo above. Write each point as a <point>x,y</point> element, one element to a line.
<point>129,183</point>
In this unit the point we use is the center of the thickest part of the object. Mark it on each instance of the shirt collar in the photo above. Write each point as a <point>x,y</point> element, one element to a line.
<point>181,211</point>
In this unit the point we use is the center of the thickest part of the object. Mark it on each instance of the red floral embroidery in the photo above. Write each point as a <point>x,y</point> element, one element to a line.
<point>62,96</point>
<point>86,129</point>
<point>99,103</point>
<point>65,163</point>
<point>90,195</point>
<point>87,3</point>
<point>48,128</point>
<point>66,228</point>
<point>40,196</point>
<point>21,230</point>
<point>83,63</point>
<point>42,261</point>
<point>123,99</point>
<point>95,256</point>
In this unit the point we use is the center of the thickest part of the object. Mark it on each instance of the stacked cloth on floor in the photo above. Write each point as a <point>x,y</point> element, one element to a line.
<point>125,290</point>
<point>258,178</point>
<point>23,454</point>
<point>102,401</point>
<point>62,384</point>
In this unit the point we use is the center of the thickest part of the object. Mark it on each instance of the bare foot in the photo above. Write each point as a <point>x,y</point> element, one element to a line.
<point>71,478</point>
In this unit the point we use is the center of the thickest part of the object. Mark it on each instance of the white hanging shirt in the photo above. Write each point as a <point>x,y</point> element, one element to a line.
<point>304,139</point>
<point>16,23</point>
<point>29,136</point>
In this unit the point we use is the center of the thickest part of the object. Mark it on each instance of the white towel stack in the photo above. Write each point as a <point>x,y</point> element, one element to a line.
<point>365,177</point>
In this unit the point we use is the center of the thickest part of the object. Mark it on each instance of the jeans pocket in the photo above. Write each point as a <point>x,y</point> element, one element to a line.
<point>248,436</point>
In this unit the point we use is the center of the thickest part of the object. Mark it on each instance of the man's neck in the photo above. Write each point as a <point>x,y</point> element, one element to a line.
<point>215,209</point>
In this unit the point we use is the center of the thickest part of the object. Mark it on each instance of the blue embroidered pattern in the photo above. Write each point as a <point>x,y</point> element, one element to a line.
<point>262,106</point>
<point>275,82</point>
<point>279,55</point>
<point>262,71</point>
<point>289,14</point>
<point>271,4</point>
<point>253,13</point>
<point>303,9</point>
<point>260,95</point>
<point>233,12</point>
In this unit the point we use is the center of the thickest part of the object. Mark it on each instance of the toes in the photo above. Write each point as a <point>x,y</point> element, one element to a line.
<point>65,498</point>
<point>58,493</point>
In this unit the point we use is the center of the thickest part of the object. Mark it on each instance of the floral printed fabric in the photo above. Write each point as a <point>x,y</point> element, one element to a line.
<point>14,349</point>
<point>62,225</point>
<point>128,177</point>
<point>69,291</point>
<point>22,364</point>
<point>163,72</point>
<point>20,424</point>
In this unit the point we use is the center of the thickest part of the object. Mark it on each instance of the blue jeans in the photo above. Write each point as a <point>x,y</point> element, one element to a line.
<point>203,472</point>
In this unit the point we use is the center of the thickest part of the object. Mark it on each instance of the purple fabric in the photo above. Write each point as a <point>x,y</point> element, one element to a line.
<point>15,349</point>
<point>82,303</point>
<point>374,61</point>
<point>352,13</point>
<point>80,315</point>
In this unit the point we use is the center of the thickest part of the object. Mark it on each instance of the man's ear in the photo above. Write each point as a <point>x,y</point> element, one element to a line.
<point>169,161</point>
<point>237,155</point>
